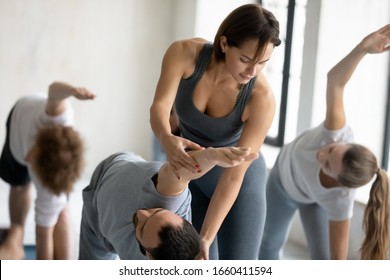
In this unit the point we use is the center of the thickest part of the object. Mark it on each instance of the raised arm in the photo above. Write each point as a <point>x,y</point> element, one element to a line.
<point>59,92</point>
<point>168,184</point>
<point>339,75</point>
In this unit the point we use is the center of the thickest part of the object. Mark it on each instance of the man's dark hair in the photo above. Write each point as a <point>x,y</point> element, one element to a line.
<point>177,243</point>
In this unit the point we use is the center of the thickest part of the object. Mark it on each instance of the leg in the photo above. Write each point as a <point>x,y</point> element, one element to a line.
<point>19,203</point>
<point>12,247</point>
<point>241,232</point>
<point>62,237</point>
<point>316,226</point>
<point>280,211</point>
<point>199,205</point>
<point>15,174</point>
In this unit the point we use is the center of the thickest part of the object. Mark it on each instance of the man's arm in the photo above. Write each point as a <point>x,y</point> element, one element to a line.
<point>58,94</point>
<point>168,184</point>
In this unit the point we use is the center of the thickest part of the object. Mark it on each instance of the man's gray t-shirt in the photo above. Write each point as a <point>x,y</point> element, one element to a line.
<point>121,186</point>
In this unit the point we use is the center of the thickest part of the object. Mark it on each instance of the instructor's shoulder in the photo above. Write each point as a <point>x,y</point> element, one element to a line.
<point>187,48</point>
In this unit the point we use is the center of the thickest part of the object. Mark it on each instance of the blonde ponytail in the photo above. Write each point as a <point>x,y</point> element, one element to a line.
<point>376,222</point>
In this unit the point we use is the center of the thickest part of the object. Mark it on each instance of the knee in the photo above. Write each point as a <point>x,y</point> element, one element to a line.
<point>269,250</point>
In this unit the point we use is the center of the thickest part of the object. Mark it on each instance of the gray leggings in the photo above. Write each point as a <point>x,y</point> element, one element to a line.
<point>240,234</point>
<point>280,211</point>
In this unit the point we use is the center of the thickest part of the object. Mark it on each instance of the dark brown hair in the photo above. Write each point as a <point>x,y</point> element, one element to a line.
<point>177,243</point>
<point>246,22</point>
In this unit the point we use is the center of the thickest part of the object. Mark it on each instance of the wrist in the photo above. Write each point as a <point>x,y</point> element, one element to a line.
<point>210,154</point>
<point>361,49</point>
<point>206,242</point>
<point>162,137</point>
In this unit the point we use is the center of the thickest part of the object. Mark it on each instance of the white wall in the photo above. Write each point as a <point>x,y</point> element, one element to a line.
<point>210,14</point>
<point>112,47</point>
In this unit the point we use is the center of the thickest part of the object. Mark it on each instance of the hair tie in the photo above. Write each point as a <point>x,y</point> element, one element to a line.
<point>377,172</point>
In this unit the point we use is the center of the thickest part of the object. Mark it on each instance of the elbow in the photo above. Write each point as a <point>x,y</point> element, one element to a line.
<point>333,81</point>
<point>54,84</point>
<point>330,77</point>
<point>55,87</point>
<point>151,115</point>
<point>52,87</point>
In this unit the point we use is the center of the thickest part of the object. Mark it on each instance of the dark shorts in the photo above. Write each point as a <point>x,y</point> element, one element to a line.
<point>12,171</point>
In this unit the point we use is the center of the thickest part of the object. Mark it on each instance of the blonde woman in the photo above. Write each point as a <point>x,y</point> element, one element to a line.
<point>318,173</point>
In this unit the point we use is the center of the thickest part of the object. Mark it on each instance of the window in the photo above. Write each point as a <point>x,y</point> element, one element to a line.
<point>284,69</point>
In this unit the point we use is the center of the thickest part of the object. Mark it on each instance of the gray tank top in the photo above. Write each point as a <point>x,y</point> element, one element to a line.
<point>199,127</point>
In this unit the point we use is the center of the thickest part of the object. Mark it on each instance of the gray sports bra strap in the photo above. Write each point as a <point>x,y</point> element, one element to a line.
<point>203,61</point>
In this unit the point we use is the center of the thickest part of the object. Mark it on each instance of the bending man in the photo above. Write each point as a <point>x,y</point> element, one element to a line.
<point>135,209</point>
